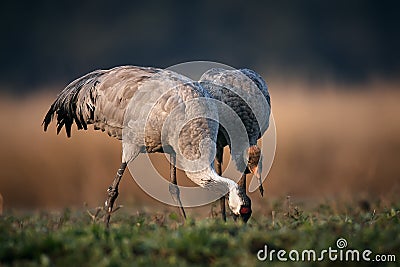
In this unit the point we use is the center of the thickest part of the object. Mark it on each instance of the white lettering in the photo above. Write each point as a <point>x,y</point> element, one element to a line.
<point>291,255</point>
<point>262,252</point>
<point>333,255</point>
<point>309,253</point>
<point>271,255</point>
<point>281,255</point>
<point>355,255</point>
<point>331,251</point>
<point>365,255</point>
<point>321,257</point>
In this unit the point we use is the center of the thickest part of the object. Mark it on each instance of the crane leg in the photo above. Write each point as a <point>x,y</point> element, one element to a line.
<point>173,186</point>
<point>218,170</point>
<point>112,194</point>
<point>260,187</point>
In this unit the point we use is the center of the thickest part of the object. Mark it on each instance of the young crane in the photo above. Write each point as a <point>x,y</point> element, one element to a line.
<point>246,93</point>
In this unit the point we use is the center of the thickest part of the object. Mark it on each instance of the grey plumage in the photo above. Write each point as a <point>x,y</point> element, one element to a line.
<point>246,93</point>
<point>98,98</point>
<point>103,97</point>
<point>236,89</point>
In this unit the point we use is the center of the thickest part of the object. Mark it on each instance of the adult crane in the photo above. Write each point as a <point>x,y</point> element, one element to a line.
<point>103,97</point>
<point>246,93</point>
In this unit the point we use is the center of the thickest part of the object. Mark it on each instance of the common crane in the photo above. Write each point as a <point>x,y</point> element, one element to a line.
<point>102,97</point>
<point>246,93</point>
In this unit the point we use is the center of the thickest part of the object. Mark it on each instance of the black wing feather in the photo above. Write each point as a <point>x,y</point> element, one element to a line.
<point>68,106</point>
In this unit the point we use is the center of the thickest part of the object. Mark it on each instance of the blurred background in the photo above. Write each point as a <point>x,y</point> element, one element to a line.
<point>332,68</point>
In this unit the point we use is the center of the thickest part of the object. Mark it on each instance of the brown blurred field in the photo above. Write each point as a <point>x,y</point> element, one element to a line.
<point>331,144</point>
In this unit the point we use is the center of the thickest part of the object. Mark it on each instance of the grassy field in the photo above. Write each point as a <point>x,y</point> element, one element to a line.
<point>72,238</point>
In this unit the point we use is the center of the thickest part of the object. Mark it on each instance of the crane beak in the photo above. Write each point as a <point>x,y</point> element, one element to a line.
<point>256,171</point>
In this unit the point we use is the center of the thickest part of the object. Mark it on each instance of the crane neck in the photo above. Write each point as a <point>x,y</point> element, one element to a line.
<point>209,179</point>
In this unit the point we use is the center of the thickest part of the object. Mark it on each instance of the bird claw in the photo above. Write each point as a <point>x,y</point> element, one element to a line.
<point>95,216</point>
<point>110,210</point>
<point>98,215</point>
<point>114,210</point>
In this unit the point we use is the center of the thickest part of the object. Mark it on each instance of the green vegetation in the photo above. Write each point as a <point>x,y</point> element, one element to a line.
<point>73,239</point>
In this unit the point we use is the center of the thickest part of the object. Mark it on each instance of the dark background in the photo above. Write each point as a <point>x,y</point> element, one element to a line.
<point>52,42</point>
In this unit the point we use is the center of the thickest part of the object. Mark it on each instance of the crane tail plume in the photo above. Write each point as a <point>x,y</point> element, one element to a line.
<point>75,104</point>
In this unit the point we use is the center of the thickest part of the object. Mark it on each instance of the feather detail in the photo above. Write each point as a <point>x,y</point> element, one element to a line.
<point>85,100</point>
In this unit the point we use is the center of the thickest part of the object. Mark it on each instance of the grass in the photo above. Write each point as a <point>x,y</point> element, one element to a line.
<point>71,238</point>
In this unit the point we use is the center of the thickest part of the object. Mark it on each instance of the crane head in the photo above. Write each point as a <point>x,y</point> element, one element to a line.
<point>240,203</point>
<point>245,212</point>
